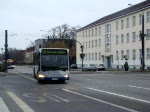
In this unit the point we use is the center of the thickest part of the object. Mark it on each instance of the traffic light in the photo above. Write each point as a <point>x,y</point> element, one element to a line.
<point>82,56</point>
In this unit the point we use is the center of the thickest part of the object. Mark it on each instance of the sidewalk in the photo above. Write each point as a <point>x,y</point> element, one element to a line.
<point>115,70</point>
<point>3,74</point>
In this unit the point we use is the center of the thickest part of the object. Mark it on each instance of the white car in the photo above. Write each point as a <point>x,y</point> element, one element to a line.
<point>89,67</point>
<point>11,66</point>
<point>100,67</point>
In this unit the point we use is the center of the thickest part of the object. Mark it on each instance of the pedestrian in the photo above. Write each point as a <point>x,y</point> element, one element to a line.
<point>126,66</point>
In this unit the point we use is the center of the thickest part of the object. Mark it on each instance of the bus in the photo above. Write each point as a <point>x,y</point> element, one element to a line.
<point>51,64</point>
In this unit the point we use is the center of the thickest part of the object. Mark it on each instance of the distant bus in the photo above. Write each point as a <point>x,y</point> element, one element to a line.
<point>51,64</point>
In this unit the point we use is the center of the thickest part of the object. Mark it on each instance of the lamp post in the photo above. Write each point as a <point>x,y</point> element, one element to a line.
<point>6,50</point>
<point>142,35</point>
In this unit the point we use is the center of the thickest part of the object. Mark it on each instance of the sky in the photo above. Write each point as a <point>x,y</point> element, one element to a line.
<point>23,19</point>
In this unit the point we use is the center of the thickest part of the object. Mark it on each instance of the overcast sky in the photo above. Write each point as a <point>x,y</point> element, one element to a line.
<point>27,17</point>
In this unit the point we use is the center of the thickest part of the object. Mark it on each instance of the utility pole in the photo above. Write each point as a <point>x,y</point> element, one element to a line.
<point>143,44</point>
<point>6,50</point>
<point>82,56</point>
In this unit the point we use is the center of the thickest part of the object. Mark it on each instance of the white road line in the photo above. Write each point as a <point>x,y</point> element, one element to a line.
<point>138,87</point>
<point>20,103</point>
<point>3,107</point>
<point>102,101</point>
<point>124,96</point>
<point>27,77</point>
<point>65,100</point>
<point>48,96</point>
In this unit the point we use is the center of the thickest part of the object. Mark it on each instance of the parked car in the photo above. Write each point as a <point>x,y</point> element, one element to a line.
<point>11,66</point>
<point>73,66</point>
<point>100,67</point>
<point>89,67</point>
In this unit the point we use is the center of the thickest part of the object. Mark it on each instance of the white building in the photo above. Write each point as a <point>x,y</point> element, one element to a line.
<point>39,43</point>
<point>110,38</point>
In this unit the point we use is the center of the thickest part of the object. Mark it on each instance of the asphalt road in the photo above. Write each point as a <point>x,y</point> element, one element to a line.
<point>85,92</point>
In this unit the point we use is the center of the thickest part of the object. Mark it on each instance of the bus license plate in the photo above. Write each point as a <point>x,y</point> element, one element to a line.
<point>54,78</point>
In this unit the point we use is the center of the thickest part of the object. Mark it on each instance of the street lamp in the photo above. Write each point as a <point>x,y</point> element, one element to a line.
<point>142,35</point>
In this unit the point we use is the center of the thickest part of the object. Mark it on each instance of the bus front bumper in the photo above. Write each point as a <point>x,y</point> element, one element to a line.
<point>53,79</point>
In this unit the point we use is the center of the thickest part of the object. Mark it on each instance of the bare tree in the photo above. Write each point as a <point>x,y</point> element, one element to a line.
<point>17,55</point>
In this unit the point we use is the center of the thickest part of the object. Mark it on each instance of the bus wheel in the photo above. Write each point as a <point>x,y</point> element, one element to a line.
<point>39,81</point>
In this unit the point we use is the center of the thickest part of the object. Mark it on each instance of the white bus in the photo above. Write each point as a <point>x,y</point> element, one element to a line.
<point>51,64</point>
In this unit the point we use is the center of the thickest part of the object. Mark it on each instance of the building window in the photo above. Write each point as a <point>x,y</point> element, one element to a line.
<point>148,33</point>
<point>117,39</point>
<point>95,56</point>
<point>127,23</point>
<point>128,54</point>
<point>86,57</point>
<point>107,28</point>
<point>95,43</point>
<point>99,56</point>
<point>140,35</point>
<point>148,16</point>
<point>99,30</point>
<point>89,56</point>
<point>83,34</point>
<point>127,37</point>
<point>83,44</point>
<point>86,45</point>
<point>92,32</point>
<point>140,19</point>
<point>122,55</point>
<point>134,36</point>
<point>95,31</point>
<point>107,42</point>
<point>117,25</point>
<point>140,53</point>
<point>148,53</point>
<point>134,54</point>
<point>92,56</point>
<point>122,38</point>
<point>86,34</point>
<point>92,43</point>
<point>89,33</point>
<point>99,42</point>
<point>117,55</point>
<point>134,21</point>
<point>89,44</point>
<point>122,24</point>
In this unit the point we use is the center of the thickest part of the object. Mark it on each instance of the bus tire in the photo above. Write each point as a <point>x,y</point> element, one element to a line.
<point>39,81</point>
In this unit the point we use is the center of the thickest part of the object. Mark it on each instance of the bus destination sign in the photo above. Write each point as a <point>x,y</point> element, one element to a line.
<point>54,52</point>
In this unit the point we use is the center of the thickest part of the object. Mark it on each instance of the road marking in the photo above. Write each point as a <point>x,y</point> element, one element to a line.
<point>27,77</point>
<point>65,100</point>
<point>102,101</point>
<point>124,96</point>
<point>3,107</point>
<point>47,95</point>
<point>139,87</point>
<point>20,103</point>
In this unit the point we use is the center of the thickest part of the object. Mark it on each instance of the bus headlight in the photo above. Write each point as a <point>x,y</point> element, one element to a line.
<point>41,76</point>
<point>66,76</point>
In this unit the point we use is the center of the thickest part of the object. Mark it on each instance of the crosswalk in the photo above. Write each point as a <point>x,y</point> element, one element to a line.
<point>3,107</point>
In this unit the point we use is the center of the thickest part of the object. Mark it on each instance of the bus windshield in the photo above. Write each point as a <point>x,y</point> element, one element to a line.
<point>54,62</point>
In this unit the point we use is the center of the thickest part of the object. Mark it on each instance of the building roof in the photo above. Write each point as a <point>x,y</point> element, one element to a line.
<point>138,7</point>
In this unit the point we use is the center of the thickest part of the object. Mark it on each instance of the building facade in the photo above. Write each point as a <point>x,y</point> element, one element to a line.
<point>108,40</point>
